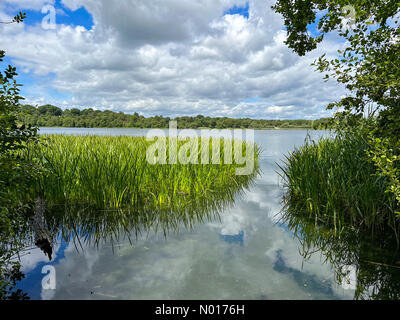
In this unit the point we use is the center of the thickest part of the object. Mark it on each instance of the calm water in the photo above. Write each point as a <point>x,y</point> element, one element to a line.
<point>244,253</point>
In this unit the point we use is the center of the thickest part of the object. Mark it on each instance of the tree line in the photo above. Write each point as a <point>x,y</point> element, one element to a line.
<point>52,116</point>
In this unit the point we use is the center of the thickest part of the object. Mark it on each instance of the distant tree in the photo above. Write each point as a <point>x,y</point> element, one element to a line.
<point>49,116</point>
<point>50,110</point>
<point>75,112</point>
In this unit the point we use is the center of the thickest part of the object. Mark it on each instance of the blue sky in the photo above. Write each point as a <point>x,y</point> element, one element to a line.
<point>66,16</point>
<point>31,84</point>
<point>242,10</point>
<point>164,57</point>
<point>79,17</point>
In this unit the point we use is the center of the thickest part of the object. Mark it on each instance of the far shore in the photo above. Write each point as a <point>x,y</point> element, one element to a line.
<point>130,128</point>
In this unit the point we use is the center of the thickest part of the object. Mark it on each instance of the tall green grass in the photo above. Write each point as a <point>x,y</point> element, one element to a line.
<point>333,182</point>
<point>113,173</point>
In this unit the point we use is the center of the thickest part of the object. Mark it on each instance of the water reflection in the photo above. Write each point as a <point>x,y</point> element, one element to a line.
<point>86,227</point>
<point>241,249</point>
<point>369,266</point>
<point>91,226</point>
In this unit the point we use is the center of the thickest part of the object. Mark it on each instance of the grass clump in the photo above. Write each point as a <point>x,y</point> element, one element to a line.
<point>333,182</point>
<point>113,173</point>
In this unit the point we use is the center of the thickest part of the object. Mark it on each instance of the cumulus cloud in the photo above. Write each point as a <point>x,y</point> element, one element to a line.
<point>173,58</point>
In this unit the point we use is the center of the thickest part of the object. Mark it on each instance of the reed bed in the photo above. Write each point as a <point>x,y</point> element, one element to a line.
<point>113,173</point>
<point>332,182</point>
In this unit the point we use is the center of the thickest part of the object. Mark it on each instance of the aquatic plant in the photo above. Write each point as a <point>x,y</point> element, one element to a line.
<point>113,173</point>
<point>102,188</point>
<point>333,182</point>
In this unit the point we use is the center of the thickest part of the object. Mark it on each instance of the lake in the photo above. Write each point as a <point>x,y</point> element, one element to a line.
<point>244,252</point>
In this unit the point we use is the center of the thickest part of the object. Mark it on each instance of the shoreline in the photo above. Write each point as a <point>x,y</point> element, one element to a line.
<point>130,128</point>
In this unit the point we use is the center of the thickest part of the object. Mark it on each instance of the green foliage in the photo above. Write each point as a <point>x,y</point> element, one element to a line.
<point>113,173</point>
<point>368,67</point>
<point>12,135</point>
<point>50,110</point>
<point>20,17</point>
<point>385,148</point>
<point>15,177</point>
<point>300,14</point>
<point>334,182</point>
<point>51,116</point>
<point>384,157</point>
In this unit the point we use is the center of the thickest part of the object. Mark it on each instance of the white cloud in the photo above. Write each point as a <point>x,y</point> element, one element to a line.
<point>35,256</point>
<point>174,57</point>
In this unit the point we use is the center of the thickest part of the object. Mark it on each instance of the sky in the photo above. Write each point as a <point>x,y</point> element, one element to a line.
<point>165,57</point>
